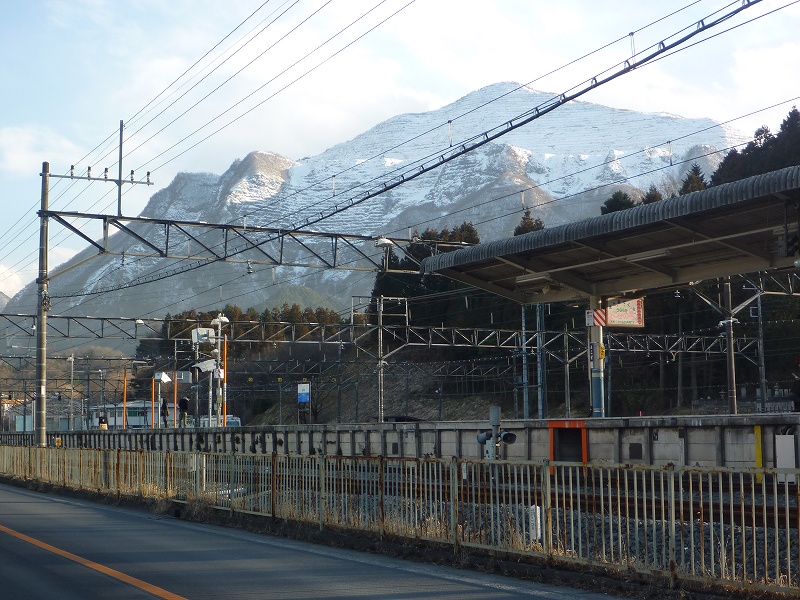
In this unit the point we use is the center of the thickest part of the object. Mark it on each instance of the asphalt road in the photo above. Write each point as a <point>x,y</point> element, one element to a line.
<point>54,547</point>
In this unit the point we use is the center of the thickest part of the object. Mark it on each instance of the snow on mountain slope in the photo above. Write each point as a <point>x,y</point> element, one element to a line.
<point>563,166</point>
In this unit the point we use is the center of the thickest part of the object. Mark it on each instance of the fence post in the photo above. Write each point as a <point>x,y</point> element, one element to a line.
<point>547,507</point>
<point>381,499</point>
<point>321,491</point>
<point>197,476</point>
<point>231,458</point>
<point>454,505</point>
<point>273,480</point>
<point>672,564</point>
<point>139,465</point>
<point>167,461</point>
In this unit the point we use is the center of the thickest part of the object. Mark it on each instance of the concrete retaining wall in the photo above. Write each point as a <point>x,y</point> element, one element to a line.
<point>729,441</point>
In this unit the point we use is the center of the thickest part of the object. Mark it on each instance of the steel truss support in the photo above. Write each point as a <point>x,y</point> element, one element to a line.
<point>205,243</point>
<point>362,335</point>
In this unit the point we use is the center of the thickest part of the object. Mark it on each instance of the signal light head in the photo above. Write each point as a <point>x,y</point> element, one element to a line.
<point>506,437</point>
<point>503,437</point>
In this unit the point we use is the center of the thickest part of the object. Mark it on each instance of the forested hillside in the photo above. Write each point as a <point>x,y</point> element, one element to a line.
<point>638,382</point>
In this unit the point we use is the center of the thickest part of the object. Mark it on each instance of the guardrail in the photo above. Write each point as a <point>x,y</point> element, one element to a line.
<point>719,527</point>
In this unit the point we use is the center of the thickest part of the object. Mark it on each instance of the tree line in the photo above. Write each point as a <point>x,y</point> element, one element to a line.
<point>439,301</point>
<point>767,152</point>
<point>293,314</point>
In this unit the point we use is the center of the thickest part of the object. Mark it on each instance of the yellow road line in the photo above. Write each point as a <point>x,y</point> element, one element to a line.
<point>142,585</point>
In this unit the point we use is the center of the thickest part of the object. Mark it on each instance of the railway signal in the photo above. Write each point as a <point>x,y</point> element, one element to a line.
<point>495,437</point>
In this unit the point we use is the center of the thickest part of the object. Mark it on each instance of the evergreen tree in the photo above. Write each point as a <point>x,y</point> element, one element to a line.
<point>767,152</point>
<point>652,195</point>
<point>785,150</point>
<point>619,200</point>
<point>164,347</point>
<point>694,181</point>
<point>400,285</point>
<point>528,224</point>
<point>293,313</point>
<point>732,168</point>
<point>464,233</point>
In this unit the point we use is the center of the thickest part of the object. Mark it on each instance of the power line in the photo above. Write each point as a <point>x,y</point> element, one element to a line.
<point>197,62</point>
<point>329,58</point>
<point>476,141</point>
<point>514,123</point>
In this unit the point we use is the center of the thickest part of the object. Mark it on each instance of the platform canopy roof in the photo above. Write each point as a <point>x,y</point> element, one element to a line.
<point>730,229</point>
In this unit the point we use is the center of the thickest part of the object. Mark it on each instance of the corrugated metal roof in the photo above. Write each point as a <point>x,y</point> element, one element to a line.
<point>776,182</point>
<point>728,229</point>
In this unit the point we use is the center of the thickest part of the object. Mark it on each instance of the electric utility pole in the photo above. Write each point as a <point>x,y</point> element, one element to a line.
<point>43,279</point>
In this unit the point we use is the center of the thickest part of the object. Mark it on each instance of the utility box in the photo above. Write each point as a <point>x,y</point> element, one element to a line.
<point>785,457</point>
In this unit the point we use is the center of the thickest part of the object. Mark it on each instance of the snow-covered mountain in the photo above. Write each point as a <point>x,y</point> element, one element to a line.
<point>568,163</point>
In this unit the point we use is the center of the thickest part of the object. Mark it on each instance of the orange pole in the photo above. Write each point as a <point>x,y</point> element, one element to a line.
<point>225,381</point>
<point>153,400</point>
<point>125,397</point>
<point>174,399</point>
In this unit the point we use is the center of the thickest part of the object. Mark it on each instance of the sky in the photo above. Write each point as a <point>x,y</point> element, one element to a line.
<point>72,70</point>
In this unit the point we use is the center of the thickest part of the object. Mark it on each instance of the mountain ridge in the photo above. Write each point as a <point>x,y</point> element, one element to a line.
<point>562,166</point>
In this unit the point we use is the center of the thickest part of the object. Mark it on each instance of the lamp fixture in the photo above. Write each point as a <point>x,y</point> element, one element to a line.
<point>647,255</point>
<point>528,277</point>
<point>219,320</point>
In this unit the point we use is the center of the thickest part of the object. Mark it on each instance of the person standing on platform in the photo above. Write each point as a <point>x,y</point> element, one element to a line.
<point>183,411</point>
<point>164,412</point>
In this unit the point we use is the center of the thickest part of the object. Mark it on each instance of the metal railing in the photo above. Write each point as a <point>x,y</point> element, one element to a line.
<point>719,526</point>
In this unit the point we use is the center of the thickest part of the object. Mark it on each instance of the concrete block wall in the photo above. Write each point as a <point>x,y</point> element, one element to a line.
<point>707,441</point>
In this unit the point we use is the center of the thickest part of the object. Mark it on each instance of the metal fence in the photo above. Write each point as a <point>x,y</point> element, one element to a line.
<point>724,527</point>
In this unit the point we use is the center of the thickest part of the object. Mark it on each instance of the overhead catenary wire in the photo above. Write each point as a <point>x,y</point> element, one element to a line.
<point>486,137</point>
<point>207,53</point>
<point>174,270</point>
<point>721,124</point>
<point>494,199</point>
<point>361,36</point>
<point>112,136</point>
<point>571,62</point>
<point>285,87</point>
